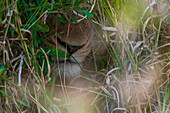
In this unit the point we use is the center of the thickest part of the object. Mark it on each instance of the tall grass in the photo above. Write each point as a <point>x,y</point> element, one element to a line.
<point>132,33</point>
<point>133,30</point>
<point>24,28</point>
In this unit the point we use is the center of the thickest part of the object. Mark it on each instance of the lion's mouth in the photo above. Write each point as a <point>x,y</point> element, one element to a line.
<point>70,48</point>
<point>66,61</point>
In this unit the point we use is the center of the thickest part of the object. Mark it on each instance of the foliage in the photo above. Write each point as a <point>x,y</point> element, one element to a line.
<point>25,25</point>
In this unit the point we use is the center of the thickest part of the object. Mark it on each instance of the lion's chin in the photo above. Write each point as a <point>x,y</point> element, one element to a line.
<point>68,69</point>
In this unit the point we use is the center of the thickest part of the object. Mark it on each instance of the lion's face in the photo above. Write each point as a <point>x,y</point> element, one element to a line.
<point>76,39</point>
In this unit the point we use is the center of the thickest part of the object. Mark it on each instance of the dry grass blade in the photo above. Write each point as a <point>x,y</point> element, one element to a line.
<point>126,57</point>
<point>49,68</point>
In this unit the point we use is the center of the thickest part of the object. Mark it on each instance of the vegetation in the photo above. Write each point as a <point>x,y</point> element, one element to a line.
<point>135,33</point>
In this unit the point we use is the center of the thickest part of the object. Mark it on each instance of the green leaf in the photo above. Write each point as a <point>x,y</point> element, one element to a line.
<point>86,13</point>
<point>68,1</point>
<point>43,8</point>
<point>167,94</point>
<point>42,27</point>
<point>78,2</point>
<point>52,4</point>
<point>62,20</point>
<point>2,3</point>
<point>62,53</point>
<point>74,19</point>
<point>52,51</point>
<point>3,68</point>
<point>23,103</point>
<point>4,93</point>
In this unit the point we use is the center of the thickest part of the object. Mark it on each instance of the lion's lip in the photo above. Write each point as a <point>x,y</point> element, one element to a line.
<point>67,60</point>
<point>70,48</point>
<point>63,59</point>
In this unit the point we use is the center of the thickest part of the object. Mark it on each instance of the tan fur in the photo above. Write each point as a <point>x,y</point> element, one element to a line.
<point>74,34</point>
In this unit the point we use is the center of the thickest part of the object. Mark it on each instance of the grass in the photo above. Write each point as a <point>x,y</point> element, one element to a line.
<point>134,37</point>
